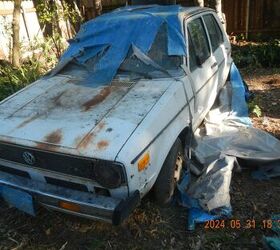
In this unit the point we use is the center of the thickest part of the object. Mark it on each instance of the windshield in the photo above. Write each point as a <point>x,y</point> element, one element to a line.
<point>157,63</point>
<point>158,59</point>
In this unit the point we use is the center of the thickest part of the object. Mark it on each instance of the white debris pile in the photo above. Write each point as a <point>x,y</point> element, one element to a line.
<point>225,138</point>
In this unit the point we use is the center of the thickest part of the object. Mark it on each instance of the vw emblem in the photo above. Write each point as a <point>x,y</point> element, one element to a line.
<point>29,158</point>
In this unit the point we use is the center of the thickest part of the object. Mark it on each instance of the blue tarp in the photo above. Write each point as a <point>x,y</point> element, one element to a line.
<point>113,34</point>
<point>274,242</point>
<point>238,101</point>
<point>239,111</point>
<point>19,199</point>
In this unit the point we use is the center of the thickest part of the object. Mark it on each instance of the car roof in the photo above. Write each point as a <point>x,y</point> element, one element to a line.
<point>157,10</point>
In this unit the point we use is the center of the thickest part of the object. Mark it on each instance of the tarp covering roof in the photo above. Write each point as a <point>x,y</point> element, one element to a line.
<point>111,35</point>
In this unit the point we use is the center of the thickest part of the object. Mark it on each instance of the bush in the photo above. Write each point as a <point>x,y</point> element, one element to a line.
<point>246,54</point>
<point>43,58</point>
<point>13,79</point>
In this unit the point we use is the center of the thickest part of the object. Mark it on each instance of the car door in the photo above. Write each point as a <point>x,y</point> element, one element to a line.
<point>203,67</point>
<point>220,46</point>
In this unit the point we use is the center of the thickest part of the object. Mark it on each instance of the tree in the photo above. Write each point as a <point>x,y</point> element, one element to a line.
<point>200,3</point>
<point>16,39</point>
<point>92,8</point>
<point>218,7</point>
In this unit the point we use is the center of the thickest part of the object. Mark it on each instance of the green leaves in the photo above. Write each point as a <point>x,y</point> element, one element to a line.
<point>252,54</point>
<point>13,79</point>
<point>255,109</point>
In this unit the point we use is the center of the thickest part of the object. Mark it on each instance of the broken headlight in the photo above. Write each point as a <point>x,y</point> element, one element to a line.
<point>109,175</point>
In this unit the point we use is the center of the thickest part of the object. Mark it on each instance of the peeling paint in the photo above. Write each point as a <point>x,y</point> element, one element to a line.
<point>45,146</point>
<point>102,95</point>
<point>30,119</point>
<point>102,145</point>
<point>83,142</point>
<point>54,137</point>
<point>101,125</point>
<point>86,140</point>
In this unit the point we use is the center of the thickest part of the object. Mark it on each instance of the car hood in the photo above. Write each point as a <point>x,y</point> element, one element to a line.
<point>59,114</point>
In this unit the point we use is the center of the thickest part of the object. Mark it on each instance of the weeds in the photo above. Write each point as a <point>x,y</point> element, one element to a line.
<point>254,108</point>
<point>13,79</point>
<point>42,58</point>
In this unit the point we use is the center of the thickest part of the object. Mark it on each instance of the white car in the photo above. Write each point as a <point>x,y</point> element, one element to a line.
<point>73,144</point>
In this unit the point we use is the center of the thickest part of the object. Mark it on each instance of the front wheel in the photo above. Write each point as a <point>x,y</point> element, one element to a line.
<point>170,174</point>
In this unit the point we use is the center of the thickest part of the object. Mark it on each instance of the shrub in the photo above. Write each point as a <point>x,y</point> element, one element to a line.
<point>13,79</point>
<point>246,54</point>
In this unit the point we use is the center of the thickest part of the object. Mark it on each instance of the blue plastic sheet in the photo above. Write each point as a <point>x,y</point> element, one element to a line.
<point>274,242</point>
<point>115,33</point>
<point>239,111</point>
<point>196,214</point>
<point>239,93</point>
<point>19,199</point>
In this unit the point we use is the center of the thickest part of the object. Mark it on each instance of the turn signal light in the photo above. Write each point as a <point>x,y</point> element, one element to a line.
<point>69,206</point>
<point>144,162</point>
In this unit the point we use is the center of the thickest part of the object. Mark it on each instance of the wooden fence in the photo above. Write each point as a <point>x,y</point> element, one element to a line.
<point>257,17</point>
<point>243,16</point>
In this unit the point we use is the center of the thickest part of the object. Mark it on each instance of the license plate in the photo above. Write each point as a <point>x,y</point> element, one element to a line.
<point>19,199</point>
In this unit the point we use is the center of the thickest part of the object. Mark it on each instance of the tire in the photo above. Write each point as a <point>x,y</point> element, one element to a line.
<point>165,184</point>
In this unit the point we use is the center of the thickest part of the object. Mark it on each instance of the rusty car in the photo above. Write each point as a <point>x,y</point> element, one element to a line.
<point>110,122</point>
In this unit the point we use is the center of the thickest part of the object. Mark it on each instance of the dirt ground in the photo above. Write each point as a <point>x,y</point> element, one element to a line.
<point>153,227</point>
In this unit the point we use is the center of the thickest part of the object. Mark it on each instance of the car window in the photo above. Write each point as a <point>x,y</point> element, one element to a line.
<point>214,31</point>
<point>199,40</point>
<point>158,53</point>
<point>192,57</point>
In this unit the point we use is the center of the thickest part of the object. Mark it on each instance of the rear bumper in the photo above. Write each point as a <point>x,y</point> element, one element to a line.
<point>89,205</point>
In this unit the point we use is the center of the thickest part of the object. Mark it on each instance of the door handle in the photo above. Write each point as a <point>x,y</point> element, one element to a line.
<point>214,65</point>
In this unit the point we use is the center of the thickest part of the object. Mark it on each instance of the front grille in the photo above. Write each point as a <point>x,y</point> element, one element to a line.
<point>14,171</point>
<point>61,163</point>
<point>66,184</point>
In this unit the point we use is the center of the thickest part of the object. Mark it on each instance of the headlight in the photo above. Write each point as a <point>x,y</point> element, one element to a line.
<point>108,174</point>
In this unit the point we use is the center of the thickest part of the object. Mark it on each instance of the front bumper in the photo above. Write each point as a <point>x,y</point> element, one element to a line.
<point>90,205</point>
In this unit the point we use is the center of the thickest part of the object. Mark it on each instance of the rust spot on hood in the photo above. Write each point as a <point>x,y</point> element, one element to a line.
<point>101,125</point>
<point>102,95</point>
<point>54,137</point>
<point>46,146</point>
<point>83,142</point>
<point>102,145</point>
<point>88,138</point>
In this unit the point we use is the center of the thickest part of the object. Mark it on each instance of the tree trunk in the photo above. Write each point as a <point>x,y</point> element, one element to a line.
<point>200,3</point>
<point>218,7</point>
<point>93,8</point>
<point>16,40</point>
<point>98,7</point>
